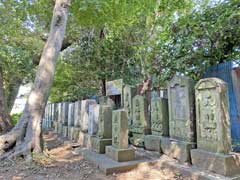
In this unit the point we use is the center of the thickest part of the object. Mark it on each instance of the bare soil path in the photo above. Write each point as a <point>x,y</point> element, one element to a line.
<point>60,162</point>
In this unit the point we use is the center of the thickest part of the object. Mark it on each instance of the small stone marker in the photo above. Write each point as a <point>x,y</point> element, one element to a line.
<point>85,114</point>
<point>181,119</point>
<point>71,109</point>
<point>140,124</point>
<point>104,134</point>
<point>213,129</point>
<point>93,119</point>
<point>119,151</point>
<point>159,124</point>
<point>64,114</point>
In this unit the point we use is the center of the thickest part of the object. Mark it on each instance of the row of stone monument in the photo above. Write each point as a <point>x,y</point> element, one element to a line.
<point>191,125</point>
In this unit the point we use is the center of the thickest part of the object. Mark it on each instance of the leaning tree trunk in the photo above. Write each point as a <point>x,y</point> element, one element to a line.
<point>5,120</point>
<point>25,137</point>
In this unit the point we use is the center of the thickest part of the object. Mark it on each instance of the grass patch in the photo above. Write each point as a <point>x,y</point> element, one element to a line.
<point>15,118</point>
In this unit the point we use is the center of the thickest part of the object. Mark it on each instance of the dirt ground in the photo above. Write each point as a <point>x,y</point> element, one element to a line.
<point>60,162</point>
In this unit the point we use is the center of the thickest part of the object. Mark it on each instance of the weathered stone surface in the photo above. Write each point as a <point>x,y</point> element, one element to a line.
<point>177,149</point>
<point>59,128</point>
<point>64,113</point>
<point>105,122</point>
<point>93,119</point>
<point>120,129</point>
<point>76,131</point>
<point>120,155</point>
<point>84,139</point>
<point>71,114</point>
<point>77,114</point>
<point>153,143</point>
<point>114,87</point>
<point>99,145</point>
<point>59,112</point>
<point>85,114</point>
<point>181,109</point>
<point>159,117</point>
<point>71,132</point>
<point>105,100</point>
<point>141,123</point>
<point>65,131</point>
<point>213,121</point>
<point>227,165</point>
<point>128,93</point>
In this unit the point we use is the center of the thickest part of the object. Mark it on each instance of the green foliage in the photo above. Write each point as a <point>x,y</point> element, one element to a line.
<point>16,118</point>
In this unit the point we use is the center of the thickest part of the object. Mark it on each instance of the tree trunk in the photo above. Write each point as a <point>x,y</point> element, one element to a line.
<point>26,135</point>
<point>13,92</point>
<point>5,119</point>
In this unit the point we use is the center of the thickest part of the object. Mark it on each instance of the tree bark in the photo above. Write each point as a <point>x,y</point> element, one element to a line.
<point>25,137</point>
<point>5,119</point>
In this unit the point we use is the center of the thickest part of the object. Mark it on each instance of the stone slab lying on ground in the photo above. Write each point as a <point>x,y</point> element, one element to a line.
<point>152,143</point>
<point>179,150</point>
<point>224,164</point>
<point>99,145</point>
<point>109,166</point>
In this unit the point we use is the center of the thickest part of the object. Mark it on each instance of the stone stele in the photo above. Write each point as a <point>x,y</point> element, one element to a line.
<point>85,114</point>
<point>159,117</point>
<point>128,93</point>
<point>119,151</point>
<point>213,129</point>
<point>77,114</point>
<point>104,134</point>
<point>181,109</point>
<point>93,119</point>
<point>141,124</point>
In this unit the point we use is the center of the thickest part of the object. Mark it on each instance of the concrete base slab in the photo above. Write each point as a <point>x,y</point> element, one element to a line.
<point>152,143</point>
<point>108,165</point>
<point>99,145</point>
<point>179,150</point>
<point>65,131</point>
<point>120,155</point>
<point>227,165</point>
<point>143,161</point>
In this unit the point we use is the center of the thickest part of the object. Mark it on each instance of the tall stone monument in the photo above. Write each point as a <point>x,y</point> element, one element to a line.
<point>93,119</point>
<point>182,122</point>
<point>128,93</point>
<point>141,123</point>
<point>213,129</point>
<point>84,137</point>
<point>71,109</point>
<point>77,120</point>
<point>119,151</point>
<point>104,134</point>
<point>64,118</point>
<point>159,124</point>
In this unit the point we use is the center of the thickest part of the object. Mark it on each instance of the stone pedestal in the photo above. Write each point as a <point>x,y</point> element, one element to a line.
<point>179,150</point>
<point>153,143</point>
<point>224,164</point>
<point>99,144</point>
<point>120,155</point>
